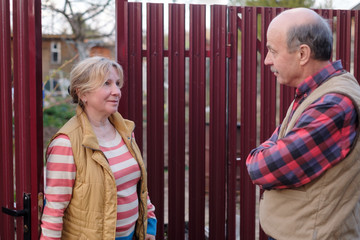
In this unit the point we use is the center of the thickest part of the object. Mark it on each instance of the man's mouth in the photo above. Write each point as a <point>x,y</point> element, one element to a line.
<point>274,70</point>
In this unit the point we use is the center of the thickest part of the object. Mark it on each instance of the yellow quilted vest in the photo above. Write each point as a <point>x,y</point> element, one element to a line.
<point>92,212</point>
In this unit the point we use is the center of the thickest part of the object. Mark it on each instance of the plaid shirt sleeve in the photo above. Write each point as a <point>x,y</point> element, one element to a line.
<point>322,137</point>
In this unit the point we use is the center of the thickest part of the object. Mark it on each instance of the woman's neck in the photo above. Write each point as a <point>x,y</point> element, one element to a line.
<point>103,129</point>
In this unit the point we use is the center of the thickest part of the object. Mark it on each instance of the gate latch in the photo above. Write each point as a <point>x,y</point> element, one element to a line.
<point>26,213</point>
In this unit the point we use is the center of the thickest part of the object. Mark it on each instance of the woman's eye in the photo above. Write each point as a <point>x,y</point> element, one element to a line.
<point>106,83</point>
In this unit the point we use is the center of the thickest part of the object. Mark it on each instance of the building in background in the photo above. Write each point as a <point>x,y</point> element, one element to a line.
<point>59,54</point>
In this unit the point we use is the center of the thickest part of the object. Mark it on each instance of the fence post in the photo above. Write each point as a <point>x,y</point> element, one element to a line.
<point>7,183</point>
<point>122,50</point>
<point>197,84</point>
<point>28,109</point>
<point>36,114</point>
<point>357,46</point>
<point>248,119</point>
<point>217,163</point>
<point>232,75</point>
<point>134,80</point>
<point>343,37</point>
<point>176,122</point>
<point>155,109</point>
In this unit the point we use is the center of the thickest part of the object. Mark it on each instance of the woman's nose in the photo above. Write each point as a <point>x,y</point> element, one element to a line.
<point>116,90</point>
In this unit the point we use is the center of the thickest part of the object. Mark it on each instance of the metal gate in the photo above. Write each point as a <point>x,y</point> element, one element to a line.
<point>21,119</point>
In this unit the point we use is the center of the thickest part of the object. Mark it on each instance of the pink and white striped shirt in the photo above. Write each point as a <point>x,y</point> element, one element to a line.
<point>60,178</point>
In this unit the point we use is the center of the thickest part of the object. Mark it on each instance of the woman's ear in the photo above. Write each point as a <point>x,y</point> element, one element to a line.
<point>82,97</point>
<point>305,54</point>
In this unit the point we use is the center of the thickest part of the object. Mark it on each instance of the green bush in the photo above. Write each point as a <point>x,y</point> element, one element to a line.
<point>58,115</point>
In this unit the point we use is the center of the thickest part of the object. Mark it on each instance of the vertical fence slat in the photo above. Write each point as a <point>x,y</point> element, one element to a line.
<point>135,75</point>
<point>27,107</point>
<point>122,51</point>
<point>197,82</point>
<point>176,160</point>
<point>328,15</point>
<point>343,37</point>
<point>268,88</point>
<point>232,122</point>
<point>36,112</point>
<point>268,83</point>
<point>7,184</point>
<point>21,106</point>
<point>155,110</point>
<point>357,45</point>
<point>286,93</point>
<point>248,119</point>
<point>286,97</point>
<point>217,164</point>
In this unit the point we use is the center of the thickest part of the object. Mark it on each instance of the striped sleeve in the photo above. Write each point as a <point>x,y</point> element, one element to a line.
<point>151,218</point>
<point>60,178</point>
<point>152,221</point>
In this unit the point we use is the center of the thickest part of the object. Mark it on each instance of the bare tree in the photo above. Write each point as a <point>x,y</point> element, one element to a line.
<point>86,20</point>
<point>326,4</point>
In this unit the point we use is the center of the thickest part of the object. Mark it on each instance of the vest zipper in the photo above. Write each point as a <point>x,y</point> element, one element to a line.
<point>142,204</point>
<point>110,172</point>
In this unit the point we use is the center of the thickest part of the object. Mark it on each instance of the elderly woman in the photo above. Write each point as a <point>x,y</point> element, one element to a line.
<point>95,177</point>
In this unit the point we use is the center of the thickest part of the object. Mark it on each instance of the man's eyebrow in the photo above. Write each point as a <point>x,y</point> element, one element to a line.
<point>269,47</point>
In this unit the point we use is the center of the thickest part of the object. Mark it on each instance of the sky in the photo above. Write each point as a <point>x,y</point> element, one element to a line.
<point>337,4</point>
<point>52,27</point>
<point>342,4</point>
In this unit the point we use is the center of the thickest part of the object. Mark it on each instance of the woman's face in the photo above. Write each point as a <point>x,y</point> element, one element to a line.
<point>104,101</point>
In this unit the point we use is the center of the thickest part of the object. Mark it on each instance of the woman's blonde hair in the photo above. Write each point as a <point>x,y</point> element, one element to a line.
<point>89,74</point>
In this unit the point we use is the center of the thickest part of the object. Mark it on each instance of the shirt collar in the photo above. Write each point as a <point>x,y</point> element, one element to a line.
<point>312,82</point>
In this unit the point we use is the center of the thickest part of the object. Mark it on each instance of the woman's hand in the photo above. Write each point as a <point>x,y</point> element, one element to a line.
<point>149,237</point>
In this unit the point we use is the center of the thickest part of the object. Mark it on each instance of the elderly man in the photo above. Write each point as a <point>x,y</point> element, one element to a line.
<point>310,166</point>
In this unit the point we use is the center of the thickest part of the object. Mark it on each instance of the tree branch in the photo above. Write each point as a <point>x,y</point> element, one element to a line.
<point>104,6</point>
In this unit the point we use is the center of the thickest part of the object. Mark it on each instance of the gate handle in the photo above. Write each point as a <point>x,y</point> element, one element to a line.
<point>19,213</point>
<point>14,213</point>
<point>22,213</point>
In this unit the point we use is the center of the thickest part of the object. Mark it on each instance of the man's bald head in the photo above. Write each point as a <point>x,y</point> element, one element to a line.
<point>304,26</point>
<point>297,16</point>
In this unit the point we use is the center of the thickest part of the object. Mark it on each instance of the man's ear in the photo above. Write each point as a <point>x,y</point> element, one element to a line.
<point>304,54</point>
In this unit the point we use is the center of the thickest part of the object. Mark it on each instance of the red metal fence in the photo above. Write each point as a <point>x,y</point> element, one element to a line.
<point>190,67</point>
<point>236,87</point>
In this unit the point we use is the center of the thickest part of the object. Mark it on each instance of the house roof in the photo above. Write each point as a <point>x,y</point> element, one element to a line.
<point>356,7</point>
<point>57,36</point>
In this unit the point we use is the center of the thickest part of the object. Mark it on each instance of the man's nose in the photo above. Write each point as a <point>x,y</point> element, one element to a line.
<point>268,60</point>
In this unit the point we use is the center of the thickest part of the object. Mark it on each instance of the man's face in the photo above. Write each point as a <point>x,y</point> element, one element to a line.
<point>284,65</point>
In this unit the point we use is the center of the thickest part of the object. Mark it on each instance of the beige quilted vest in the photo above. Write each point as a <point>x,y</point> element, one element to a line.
<point>328,207</point>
